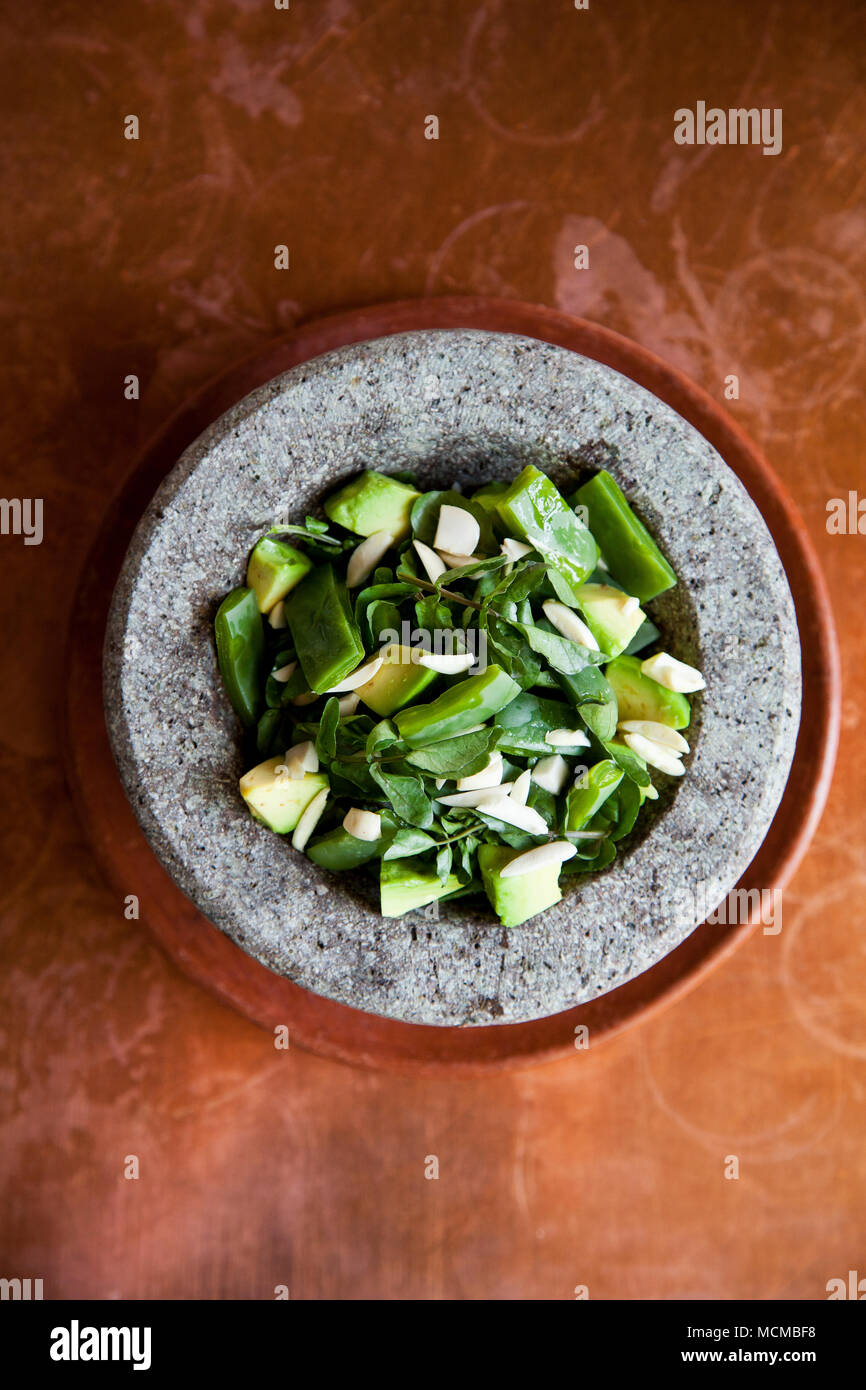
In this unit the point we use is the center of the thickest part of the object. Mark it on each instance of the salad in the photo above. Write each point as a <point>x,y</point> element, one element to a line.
<point>461,694</point>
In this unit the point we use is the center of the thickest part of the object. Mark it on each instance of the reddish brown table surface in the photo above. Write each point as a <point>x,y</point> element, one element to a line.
<point>156,258</point>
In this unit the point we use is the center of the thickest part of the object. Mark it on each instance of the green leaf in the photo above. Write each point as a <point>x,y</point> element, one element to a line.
<point>477,568</point>
<point>462,756</point>
<point>633,766</point>
<point>326,738</point>
<point>512,652</point>
<point>406,796</point>
<point>443,862</point>
<point>381,736</point>
<point>433,613</point>
<point>409,841</point>
<point>380,616</point>
<point>559,652</point>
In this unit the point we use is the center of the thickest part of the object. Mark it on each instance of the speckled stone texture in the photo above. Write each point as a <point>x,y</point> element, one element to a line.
<point>464,407</point>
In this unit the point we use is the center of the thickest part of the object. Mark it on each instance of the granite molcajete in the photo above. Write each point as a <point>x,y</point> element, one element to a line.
<point>452,406</point>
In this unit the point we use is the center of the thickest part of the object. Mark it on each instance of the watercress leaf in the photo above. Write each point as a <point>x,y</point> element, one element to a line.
<point>512,652</point>
<point>326,738</point>
<point>559,652</point>
<point>453,756</point>
<point>590,863</point>
<point>406,796</point>
<point>352,779</point>
<point>381,736</point>
<point>599,719</point>
<point>633,766</point>
<point>381,618</point>
<point>409,840</point>
<point>433,613</point>
<point>383,575</point>
<point>443,862</point>
<point>477,568</point>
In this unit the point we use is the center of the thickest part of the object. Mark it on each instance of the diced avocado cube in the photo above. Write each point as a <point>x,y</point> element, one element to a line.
<point>595,786</point>
<point>640,697</point>
<point>514,900</point>
<point>338,850</point>
<point>534,510</point>
<point>397,682</point>
<point>324,633</point>
<point>277,799</point>
<point>612,618</point>
<point>626,544</point>
<point>405,885</point>
<point>490,495</point>
<point>274,569</point>
<point>372,502</point>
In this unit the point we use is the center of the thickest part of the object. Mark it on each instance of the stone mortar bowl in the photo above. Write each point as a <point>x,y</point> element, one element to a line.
<point>462,407</point>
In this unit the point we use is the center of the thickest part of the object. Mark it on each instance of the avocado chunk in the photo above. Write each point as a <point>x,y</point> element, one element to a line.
<point>372,502</point>
<point>274,568</point>
<point>627,545</point>
<point>595,787</point>
<point>278,800</point>
<point>404,886</point>
<point>397,682</point>
<point>640,697</point>
<point>611,619</point>
<point>338,850</point>
<point>490,495</point>
<point>514,900</point>
<point>325,634</point>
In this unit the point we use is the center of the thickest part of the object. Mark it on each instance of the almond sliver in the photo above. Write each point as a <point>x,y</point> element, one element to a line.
<point>554,852</point>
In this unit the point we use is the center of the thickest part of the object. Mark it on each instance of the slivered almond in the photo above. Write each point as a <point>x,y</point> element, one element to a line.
<point>659,733</point>
<point>554,852</point>
<point>456,562</point>
<point>277,615</point>
<point>515,549</point>
<point>434,566</point>
<point>520,790</point>
<point>362,825</point>
<point>566,622</point>
<point>653,753</point>
<point>359,676</point>
<point>475,797</point>
<point>503,808</point>
<point>348,704</point>
<point>566,738</point>
<point>551,773</point>
<point>309,819</point>
<point>302,758</point>
<point>446,663</point>
<point>365,559</point>
<point>456,531</point>
<point>672,674</point>
<point>306,697</point>
<point>489,776</point>
<point>285,673</point>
